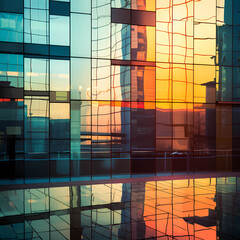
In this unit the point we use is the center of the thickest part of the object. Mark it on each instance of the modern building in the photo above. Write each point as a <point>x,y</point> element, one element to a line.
<point>107,89</point>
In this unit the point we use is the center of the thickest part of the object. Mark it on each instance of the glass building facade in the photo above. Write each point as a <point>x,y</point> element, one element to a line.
<point>201,209</point>
<point>107,89</point>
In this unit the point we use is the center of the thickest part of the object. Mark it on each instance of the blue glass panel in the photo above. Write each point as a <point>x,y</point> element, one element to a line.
<point>83,6</point>
<point>59,30</point>
<point>59,8</point>
<point>80,35</point>
<point>40,4</point>
<point>15,6</point>
<point>80,78</point>
<point>36,74</point>
<point>11,27</point>
<point>36,26</point>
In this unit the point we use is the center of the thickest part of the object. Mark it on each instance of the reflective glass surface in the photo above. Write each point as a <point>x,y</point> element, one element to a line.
<point>198,208</point>
<point>11,27</point>
<point>106,89</point>
<point>80,35</point>
<point>11,71</point>
<point>36,74</point>
<point>80,78</point>
<point>83,6</point>
<point>36,24</point>
<point>59,30</point>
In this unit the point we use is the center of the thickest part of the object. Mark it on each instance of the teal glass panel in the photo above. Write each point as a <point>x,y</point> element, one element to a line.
<point>83,6</point>
<point>11,27</point>
<point>59,141</point>
<point>101,73</point>
<point>80,78</point>
<point>80,35</point>
<point>225,83</point>
<point>121,83</point>
<point>36,74</point>
<point>11,70</point>
<point>36,133</point>
<point>40,4</point>
<point>11,141</point>
<point>81,139</point>
<point>36,26</point>
<point>59,30</point>
<point>59,75</point>
<point>59,121</point>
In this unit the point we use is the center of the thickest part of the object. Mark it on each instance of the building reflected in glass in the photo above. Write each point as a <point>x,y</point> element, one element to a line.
<point>106,89</point>
<point>200,208</point>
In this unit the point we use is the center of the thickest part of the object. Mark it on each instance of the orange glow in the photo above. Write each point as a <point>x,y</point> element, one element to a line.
<point>167,204</point>
<point>150,43</point>
<point>174,44</point>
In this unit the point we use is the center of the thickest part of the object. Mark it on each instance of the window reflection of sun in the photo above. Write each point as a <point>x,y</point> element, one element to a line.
<point>186,34</point>
<point>166,204</point>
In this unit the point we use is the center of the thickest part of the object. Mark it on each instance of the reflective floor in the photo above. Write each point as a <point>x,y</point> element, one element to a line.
<point>204,208</point>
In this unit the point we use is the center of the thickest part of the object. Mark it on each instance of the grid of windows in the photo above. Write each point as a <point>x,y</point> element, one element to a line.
<point>117,88</point>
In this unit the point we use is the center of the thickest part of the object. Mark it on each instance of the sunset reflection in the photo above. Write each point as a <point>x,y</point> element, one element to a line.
<point>192,208</point>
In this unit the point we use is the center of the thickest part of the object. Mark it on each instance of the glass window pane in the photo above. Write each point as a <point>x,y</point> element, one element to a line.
<point>225,82</point>
<point>80,78</point>
<point>59,30</point>
<point>37,128</point>
<point>81,139</point>
<point>120,127</point>
<point>143,43</point>
<point>182,126</point>
<point>121,41</point>
<point>59,78</point>
<point>11,72</point>
<point>143,126</point>
<point>205,126</point>
<point>182,83</point>
<point>36,74</point>
<point>164,82</point>
<point>205,43</point>
<point>40,4</point>
<point>11,27</point>
<point>121,3</point>
<point>200,13</point>
<point>147,5</point>
<point>101,139</point>
<point>83,6</point>
<point>204,84</point>
<point>36,26</point>
<point>11,132</point>
<point>59,121</point>
<point>163,126</point>
<point>80,35</point>
<point>182,41</point>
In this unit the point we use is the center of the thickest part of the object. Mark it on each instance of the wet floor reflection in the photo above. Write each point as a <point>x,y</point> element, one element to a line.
<point>206,208</point>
